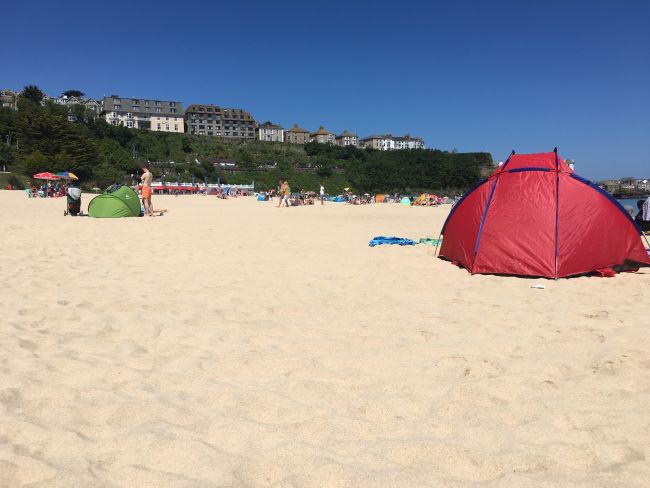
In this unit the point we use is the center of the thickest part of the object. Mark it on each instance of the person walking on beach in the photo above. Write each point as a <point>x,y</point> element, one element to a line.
<point>286,194</point>
<point>147,177</point>
<point>322,194</point>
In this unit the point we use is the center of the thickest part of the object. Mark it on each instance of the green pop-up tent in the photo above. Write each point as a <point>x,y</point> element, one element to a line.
<point>116,201</point>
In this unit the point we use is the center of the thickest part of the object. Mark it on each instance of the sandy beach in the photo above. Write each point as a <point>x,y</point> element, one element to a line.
<point>234,344</point>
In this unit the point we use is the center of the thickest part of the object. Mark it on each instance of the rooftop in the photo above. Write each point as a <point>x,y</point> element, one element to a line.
<point>321,132</point>
<point>295,128</point>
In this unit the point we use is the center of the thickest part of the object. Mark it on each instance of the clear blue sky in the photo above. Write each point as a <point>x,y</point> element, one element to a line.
<point>472,76</point>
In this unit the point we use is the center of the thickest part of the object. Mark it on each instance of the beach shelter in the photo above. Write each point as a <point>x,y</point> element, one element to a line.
<point>405,201</point>
<point>119,201</point>
<point>535,217</point>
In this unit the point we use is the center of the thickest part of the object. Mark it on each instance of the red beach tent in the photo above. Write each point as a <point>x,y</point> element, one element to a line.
<point>535,217</point>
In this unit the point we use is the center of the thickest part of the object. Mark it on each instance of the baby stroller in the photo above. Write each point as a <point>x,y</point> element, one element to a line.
<point>73,197</point>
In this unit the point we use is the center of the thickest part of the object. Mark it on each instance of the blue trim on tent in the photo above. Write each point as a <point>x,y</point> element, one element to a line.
<point>609,197</point>
<point>459,202</point>
<point>530,168</point>
<point>487,206</point>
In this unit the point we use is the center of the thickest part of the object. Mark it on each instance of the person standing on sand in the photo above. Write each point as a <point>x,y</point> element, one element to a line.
<point>147,177</point>
<point>286,194</point>
<point>322,194</point>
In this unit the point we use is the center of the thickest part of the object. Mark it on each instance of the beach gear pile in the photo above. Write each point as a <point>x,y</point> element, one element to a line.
<point>535,217</point>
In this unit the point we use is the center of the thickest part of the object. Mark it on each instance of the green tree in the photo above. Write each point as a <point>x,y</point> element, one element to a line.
<point>33,93</point>
<point>35,162</point>
<point>73,93</point>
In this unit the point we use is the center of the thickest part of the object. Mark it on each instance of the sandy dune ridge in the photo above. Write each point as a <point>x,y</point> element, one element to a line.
<point>234,344</point>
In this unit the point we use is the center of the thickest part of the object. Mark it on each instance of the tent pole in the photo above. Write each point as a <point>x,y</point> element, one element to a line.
<point>487,206</point>
<point>435,251</point>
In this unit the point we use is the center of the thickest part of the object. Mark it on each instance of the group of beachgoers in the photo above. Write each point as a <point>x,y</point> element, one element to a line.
<point>287,198</point>
<point>44,191</point>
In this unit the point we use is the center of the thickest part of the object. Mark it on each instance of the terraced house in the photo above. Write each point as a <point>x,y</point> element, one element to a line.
<point>322,136</point>
<point>347,138</point>
<point>296,135</point>
<point>212,120</point>
<point>138,113</point>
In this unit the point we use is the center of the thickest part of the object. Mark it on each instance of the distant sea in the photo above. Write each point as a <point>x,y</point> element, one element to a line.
<point>630,202</point>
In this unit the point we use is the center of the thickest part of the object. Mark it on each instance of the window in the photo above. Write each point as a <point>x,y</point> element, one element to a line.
<point>117,107</point>
<point>146,102</point>
<point>146,109</point>
<point>129,115</point>
<point>116,100</point>
<point>136,109</point>
<point>157,103</point>
<point>172,110</point>
<point>158,126</point>
<point>167,126</point>
<point>129,123</point>
<point>172,104</point>
<point>176,127</point>
<point>136,101</point>
<point>158,110</point>
<point>210,133</point>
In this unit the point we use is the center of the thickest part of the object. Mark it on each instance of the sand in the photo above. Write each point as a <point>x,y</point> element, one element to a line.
<point>234,344</point>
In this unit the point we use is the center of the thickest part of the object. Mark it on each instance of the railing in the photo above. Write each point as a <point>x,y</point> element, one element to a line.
<point>165,185</point>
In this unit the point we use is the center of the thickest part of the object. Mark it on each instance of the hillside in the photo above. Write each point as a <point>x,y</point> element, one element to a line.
<point>40,138</point>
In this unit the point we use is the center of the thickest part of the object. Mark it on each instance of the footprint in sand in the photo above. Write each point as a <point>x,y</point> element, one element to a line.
<point>600,315</point>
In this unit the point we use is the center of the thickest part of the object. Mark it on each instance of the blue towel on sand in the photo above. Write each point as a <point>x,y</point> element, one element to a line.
<point>379,240</point>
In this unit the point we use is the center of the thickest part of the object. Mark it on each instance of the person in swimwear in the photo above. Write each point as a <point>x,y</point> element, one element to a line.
<point>147,177</point>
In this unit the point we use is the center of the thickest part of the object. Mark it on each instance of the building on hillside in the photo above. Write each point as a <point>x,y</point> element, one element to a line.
<point>347,138</point>
<point>212,120</point>
<point>388,142</point>
<point>270,132</point>
<point>8,98</point>
<point>138,113</point>
<point>612,186</point>
<point>322,136</point>
<point>296,135</point>
<point>408,142</point>
<point>88,103</point>
<point>378,142</point>
<point>628,183</point>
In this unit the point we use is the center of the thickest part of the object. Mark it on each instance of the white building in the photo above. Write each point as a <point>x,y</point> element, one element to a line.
<point>387,142</point>
<point>270,132</point>
<point>137,113</point>
<point>408,142</point>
